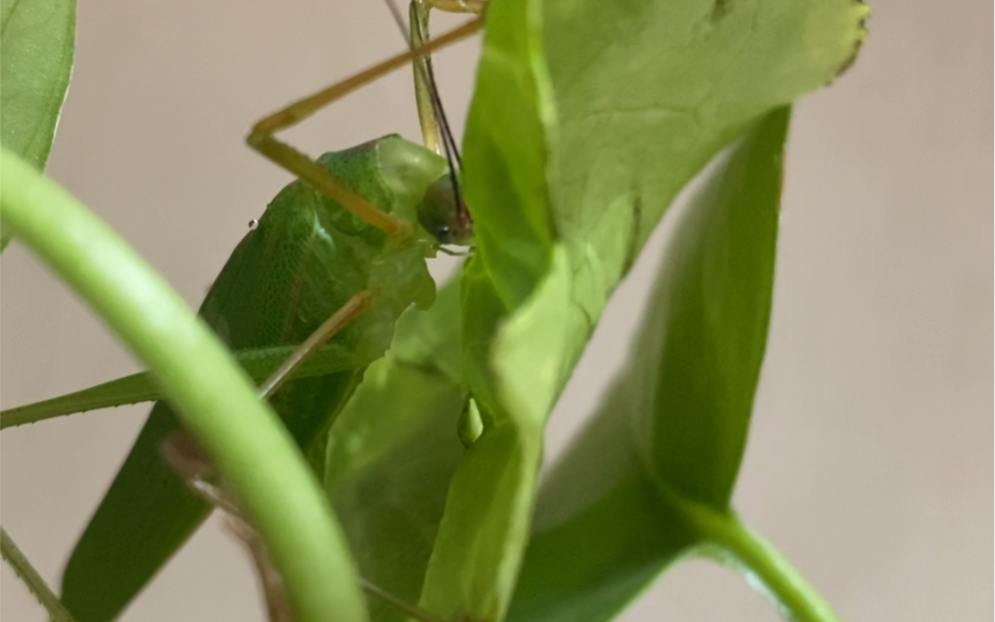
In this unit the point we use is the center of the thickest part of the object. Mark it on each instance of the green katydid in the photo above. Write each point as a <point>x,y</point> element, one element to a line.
<point>339,253</point>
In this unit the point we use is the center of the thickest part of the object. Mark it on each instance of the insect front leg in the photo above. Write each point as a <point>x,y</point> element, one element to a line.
<point>262,137</point>
<point>182,452</point>
<point>336,322</point>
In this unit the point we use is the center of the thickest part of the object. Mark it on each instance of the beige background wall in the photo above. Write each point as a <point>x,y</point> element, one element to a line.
<point>870,461</point>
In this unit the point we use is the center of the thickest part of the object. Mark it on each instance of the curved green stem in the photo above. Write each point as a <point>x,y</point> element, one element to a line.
<point>765,569</point>
<point>56,610</point>
<point>213,396</point>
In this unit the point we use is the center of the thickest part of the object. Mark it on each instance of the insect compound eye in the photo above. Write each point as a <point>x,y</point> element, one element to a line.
<point>440,215</point>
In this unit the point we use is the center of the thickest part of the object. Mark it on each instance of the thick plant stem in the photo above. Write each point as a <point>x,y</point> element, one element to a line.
<point>766,570</point>
<point>56,610</point>
<point>214,398</point>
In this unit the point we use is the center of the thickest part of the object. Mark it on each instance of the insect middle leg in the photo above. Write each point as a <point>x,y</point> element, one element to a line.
<point>189,460</point>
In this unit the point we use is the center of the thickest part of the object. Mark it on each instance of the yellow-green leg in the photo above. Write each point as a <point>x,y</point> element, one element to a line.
<point>262,136</point>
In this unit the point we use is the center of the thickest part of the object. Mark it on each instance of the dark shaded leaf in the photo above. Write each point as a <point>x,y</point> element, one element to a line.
<point>649,479</point>
<point>393,451</point>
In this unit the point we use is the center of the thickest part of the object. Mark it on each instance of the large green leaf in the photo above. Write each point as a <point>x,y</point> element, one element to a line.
<point>588,118</point>
<point>650,478</point>
<point>394,448</point>
<point>699,354</point>
<point>647,91</point>
<point>37,41</point>
<point>602,531</point>
<point>484,529</point>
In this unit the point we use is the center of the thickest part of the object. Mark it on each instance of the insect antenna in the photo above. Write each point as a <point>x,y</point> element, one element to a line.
<point>395,12</point>
<point>451,150</point>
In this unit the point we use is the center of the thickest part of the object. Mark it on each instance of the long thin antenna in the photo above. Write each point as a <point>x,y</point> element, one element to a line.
<point>453,159</point>
<point>449,146</point>
<point>395,12</point>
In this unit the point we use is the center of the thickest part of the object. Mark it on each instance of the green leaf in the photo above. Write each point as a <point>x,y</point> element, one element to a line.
<point>484,529</point>
<point>601,531</point>
<point>699,356</point>
<point>37,41</point>
<point>647,92</point>
<point>393,450</point>
<point>649,479</point>
<point>588,118</point>
<point>505,179</point>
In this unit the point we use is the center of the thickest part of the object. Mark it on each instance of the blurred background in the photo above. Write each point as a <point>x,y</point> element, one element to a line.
<point>870,456</point>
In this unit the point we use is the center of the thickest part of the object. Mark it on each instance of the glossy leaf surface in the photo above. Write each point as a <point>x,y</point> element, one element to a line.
<point>587,120</point>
